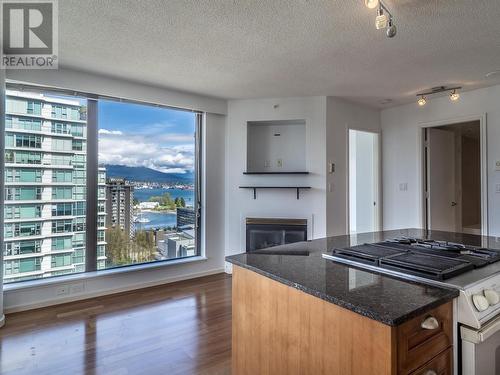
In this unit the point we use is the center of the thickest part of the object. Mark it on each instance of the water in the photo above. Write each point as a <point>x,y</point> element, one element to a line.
<point>161,219</point>
<point>157,220</point>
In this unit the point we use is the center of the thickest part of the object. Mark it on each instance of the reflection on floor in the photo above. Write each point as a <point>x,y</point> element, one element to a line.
<point>180,328</point>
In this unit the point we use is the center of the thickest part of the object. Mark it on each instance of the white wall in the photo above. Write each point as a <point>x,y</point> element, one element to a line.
<point>264,148</point>
<point>401,140</point>
<point>341,116</point>
<point>106,86</point>
<point>213,203</point>
<point>274,203</point>
<point>327,122</point>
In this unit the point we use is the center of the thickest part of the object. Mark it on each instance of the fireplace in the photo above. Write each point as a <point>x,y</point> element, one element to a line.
<point>266,232</point>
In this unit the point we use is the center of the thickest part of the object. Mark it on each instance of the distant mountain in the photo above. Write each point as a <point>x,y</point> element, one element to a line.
<point>146,174</point>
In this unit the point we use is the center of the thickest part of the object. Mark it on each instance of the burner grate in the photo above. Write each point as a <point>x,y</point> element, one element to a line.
<point>367,253</point>
<point>426,265</point>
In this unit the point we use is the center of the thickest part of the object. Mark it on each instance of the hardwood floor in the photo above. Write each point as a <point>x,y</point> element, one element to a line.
<point>179,328</point>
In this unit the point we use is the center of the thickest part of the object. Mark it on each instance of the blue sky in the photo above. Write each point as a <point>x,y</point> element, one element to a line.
<point>142,135</point>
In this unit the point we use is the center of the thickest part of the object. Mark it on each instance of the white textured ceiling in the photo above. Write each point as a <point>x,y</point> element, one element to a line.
<point>272,48</point>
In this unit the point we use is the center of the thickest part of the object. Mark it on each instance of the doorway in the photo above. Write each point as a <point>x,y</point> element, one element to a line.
<point>453,179</point>
<point>364,179</point>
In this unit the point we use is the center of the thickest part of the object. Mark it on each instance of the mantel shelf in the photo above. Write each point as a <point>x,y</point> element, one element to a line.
<point>299,172</point>
<point>254,188</point>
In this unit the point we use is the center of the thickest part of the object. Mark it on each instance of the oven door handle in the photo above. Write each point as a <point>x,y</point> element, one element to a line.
<point>477,336</point>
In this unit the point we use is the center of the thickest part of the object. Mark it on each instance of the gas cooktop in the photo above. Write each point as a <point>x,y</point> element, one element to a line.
<point>430,259</point>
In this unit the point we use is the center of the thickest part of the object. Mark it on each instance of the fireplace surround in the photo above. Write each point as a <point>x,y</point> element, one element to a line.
<point>268,232</point>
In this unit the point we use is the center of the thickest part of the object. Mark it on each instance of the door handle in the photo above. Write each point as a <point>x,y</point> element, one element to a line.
<point>453,204</point>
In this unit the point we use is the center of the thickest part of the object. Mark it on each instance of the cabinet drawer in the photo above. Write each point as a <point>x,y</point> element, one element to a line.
<point>424,337</point>
<point>440,365</point>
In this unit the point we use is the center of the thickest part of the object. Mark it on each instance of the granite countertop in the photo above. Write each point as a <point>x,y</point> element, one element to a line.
<point>377,296</point>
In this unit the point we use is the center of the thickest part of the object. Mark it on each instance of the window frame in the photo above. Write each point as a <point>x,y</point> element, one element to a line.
<point>92,177</point>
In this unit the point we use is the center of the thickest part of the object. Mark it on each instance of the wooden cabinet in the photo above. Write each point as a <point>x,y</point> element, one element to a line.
<point>439,365</point>
<point>424,337</point>
<point>281,330</point>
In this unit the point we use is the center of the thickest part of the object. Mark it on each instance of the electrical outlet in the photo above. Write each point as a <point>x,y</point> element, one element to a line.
<point>62,290</point>
<point>497,165</point>
<point>280,163</point>
<point>331,167</point>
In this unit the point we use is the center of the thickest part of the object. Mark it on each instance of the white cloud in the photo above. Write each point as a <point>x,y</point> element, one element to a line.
<point>110,132</point>
<point>152,152</point>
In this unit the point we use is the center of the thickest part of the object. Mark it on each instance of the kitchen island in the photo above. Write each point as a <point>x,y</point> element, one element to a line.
<point>297,313</point>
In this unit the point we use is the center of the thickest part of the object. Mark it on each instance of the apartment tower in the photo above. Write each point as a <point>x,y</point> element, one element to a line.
<point>46,187</point>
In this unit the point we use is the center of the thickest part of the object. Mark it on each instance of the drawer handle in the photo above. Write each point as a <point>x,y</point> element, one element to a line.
<point>430,372</point>
<point>430,323</point>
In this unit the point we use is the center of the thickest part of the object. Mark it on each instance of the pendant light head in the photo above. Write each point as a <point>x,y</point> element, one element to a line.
<point>381,19</point>
<point>421,102</point>
<point>371,4</point>
<point>454,96</point>
<point>391,29</point>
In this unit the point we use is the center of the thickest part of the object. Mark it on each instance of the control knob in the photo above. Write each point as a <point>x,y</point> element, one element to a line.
<point>492,296</point>
<point>480,302</point>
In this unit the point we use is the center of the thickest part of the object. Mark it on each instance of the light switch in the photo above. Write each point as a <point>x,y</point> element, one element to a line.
<point>267,164</point>
<point>497,188</point>
<point>280,163</point>
<point>497,165</point>
<point>403,186</point>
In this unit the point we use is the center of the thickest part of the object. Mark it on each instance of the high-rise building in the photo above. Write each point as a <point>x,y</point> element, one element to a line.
<point>45,187</point>
<point>186,218</point>
<point>119,205</point>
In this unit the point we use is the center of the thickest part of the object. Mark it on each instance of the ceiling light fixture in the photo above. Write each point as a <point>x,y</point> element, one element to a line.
<point>384,19</point>
<point>454,95</point>
<point>381,19</point>
<point>372,4</point>
<point>421,102</point>
<point>391,29</point>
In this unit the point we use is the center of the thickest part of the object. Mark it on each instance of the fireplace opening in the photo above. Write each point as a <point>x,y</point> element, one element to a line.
<point>264,232</point>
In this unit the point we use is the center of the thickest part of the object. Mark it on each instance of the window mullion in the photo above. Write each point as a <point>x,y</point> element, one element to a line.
<point>92,170</point>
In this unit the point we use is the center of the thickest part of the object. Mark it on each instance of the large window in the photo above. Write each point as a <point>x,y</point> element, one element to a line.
<point>138,164</point>
<point>149,158</point>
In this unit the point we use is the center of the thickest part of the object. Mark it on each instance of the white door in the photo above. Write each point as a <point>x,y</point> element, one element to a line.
<point>363,181</point>
<point>441,184</point>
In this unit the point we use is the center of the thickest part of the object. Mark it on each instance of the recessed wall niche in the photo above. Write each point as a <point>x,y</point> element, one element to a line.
<point>276,146</point>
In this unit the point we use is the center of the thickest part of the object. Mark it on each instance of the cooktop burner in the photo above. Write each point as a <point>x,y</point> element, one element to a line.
<point>431,259</point>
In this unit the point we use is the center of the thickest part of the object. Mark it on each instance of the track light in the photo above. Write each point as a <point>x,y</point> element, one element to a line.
<point>380,20</point>
<point>384,19</point>
<point>372,4</point>
<point>391,29</point>
<point>454,96</point>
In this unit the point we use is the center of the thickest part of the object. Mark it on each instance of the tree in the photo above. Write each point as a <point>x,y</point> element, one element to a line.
<point>121,250</point>
<point>182,202</point>
<point>164,200</point>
